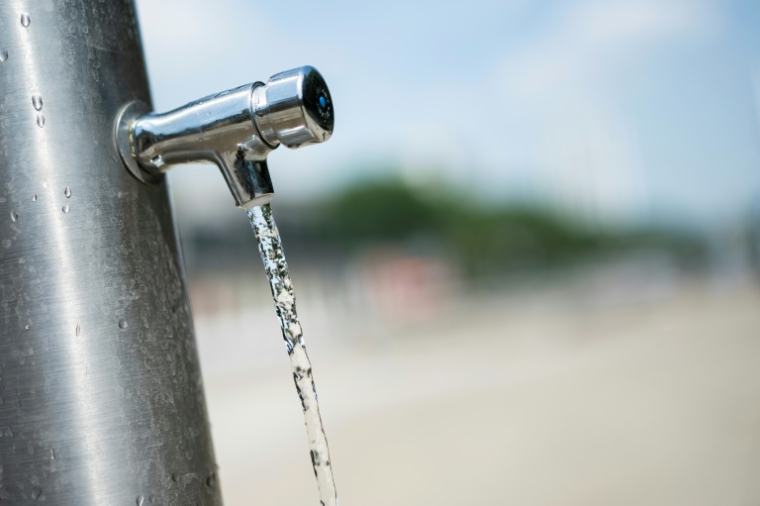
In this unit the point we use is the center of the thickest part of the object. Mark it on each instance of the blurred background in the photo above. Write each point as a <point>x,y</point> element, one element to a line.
<point>527,262</point>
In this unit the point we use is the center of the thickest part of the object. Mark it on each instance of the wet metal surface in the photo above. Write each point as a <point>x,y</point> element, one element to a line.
<point>101,400</point>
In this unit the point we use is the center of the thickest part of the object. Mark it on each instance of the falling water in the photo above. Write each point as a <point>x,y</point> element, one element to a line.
<point>270,247</point>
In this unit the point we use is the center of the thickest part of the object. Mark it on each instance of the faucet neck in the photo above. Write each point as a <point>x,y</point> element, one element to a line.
<point>219,129</point>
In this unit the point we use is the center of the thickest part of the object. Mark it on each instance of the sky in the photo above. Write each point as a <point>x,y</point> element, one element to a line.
<point>614,110</point>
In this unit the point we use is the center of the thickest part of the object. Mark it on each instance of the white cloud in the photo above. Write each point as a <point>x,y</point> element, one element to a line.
<point>560,96</point>
<point>597,33</point>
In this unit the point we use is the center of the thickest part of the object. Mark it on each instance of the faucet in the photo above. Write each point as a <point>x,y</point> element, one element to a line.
<point>101,394</point>
<point>235,130</point>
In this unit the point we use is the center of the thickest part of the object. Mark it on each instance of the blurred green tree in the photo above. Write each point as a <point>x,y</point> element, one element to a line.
<point>482,240</point>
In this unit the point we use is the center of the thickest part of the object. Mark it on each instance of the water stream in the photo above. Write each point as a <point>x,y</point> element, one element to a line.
<point>270,247</point>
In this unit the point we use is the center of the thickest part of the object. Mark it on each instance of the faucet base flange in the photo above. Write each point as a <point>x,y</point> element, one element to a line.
<point>123,139</point>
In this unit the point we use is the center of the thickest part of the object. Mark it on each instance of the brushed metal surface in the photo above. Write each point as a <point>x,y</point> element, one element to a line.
<point>101,400</point>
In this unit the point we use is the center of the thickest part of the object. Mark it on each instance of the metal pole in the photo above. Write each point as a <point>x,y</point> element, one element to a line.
<point>101,400</point>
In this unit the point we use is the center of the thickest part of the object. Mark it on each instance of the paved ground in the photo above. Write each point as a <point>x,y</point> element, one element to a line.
<point>547,399</point>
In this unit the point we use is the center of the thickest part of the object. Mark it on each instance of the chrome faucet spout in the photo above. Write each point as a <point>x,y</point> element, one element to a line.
<point>234,129</point>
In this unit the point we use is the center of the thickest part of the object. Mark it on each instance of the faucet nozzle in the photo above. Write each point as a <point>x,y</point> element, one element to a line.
<point>294,108</point>
<point>235,130</point>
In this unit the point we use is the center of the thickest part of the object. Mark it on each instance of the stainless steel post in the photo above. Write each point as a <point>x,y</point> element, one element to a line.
<point>101,401</point>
